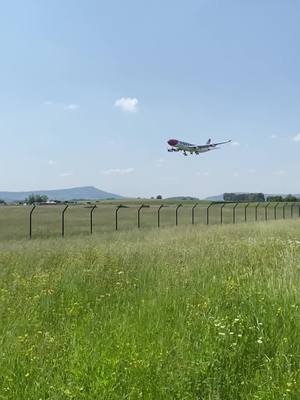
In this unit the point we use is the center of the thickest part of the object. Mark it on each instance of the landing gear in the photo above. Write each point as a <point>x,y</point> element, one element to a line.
<point>184,153</point>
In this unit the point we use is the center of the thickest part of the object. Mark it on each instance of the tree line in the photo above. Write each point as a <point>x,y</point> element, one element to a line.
<point>257,197</point>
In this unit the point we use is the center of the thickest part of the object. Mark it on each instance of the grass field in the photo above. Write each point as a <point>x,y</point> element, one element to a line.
<point>46,220</point>
<point>198,312</point>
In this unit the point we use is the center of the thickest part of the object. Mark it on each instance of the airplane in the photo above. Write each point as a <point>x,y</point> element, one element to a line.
<point>177,145</point>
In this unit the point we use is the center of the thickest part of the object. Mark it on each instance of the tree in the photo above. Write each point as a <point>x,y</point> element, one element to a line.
<point>242,197</point>
<point>290,198</point>
<point>159,197</point>
<point>32,199</point>
<point>275,198</point>
<point>2,201</point>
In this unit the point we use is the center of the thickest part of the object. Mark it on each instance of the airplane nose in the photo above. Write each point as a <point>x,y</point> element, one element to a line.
<point>172,142</point>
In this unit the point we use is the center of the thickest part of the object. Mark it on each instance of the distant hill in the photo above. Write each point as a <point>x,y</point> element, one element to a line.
<point>218,197</point>
<point>77,193</point>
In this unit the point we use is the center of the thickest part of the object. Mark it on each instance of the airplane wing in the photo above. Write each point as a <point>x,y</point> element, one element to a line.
<point>217,144</point>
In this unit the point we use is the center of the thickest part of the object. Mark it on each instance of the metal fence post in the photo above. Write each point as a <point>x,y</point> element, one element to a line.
<point>256,207</point>
<point>139,215</point>
<point>30,221</point>
<point>275,210</point>
<point>246,206</point>
<point>283,211</point>
<point>63,221</point>
<point>193,213</point>
<point>233,212</point>
<point>176,213</point>
<point>91,218</point>
<point>158,214</point>
<point>266,211</point>
<point>207,213</point>
<point>116,215</point>
<point>221,213</point>
<point>292,210</point>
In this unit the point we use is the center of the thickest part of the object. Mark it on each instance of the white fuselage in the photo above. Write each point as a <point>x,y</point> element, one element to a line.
<point>191,147</point>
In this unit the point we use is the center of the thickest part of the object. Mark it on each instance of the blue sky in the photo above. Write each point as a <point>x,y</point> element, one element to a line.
<point>188,70</point>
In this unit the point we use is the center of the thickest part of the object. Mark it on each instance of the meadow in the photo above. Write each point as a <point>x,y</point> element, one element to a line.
<point>46,220</point>
<point>191,312</point>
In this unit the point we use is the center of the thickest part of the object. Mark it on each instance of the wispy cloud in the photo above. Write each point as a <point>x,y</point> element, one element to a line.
<point>127,104</point>
<point>160,162</point>
<point>296,138</point>
<point>64,106</point>
<point>65,174</point>
<point>71,107</point>
<point>118,171</point>
<point>52,162</point>
<point>274,136</point>
<point>202,173</point>
<point>235,144</point>
<point>281,172</point>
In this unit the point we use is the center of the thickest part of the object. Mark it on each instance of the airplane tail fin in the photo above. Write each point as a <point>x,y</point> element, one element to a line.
<point>209,141</point>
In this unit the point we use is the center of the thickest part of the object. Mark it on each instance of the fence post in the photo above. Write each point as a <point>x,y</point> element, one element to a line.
<point>158,214</point>
<point>275,210</point>
<point>233,212</point>
<point>116,215</point>
<point>292,210</point>
<point>207,213</point>
<point>266,211</point>
<point>176,213</point>
<point>221,212</point>
<point>246,206</point>
<point>91,218</point>
<point>193,213</point>
<point>256,207</point>
<point>30,221</point>
<point>63,221</point>
<point>139,216</point>
<point>283,211</point>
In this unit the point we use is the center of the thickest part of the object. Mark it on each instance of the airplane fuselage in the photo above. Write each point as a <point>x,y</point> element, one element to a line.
<point>178,145</point>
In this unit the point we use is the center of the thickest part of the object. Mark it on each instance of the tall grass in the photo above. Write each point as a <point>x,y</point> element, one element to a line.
<point>188,313</point>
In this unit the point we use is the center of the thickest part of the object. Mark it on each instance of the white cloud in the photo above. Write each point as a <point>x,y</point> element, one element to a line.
<point>236,174</point>
<point>281,172</point>
<point>236,144</point>
<point>52,162</point>
<point>71,107</point>
<point>118,171</point>
<point>67,107</point>
<point>202,173</point>
<point>64,174</point>
<point>160,162</point>
<point>274,136</point>
<point>296,138</point>
<point>127,104</point>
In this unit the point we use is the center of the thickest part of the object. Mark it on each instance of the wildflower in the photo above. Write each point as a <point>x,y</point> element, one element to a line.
<point>259,341</point>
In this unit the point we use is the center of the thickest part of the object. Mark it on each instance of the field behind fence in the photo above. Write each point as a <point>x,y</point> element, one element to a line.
<point>59,220</point>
